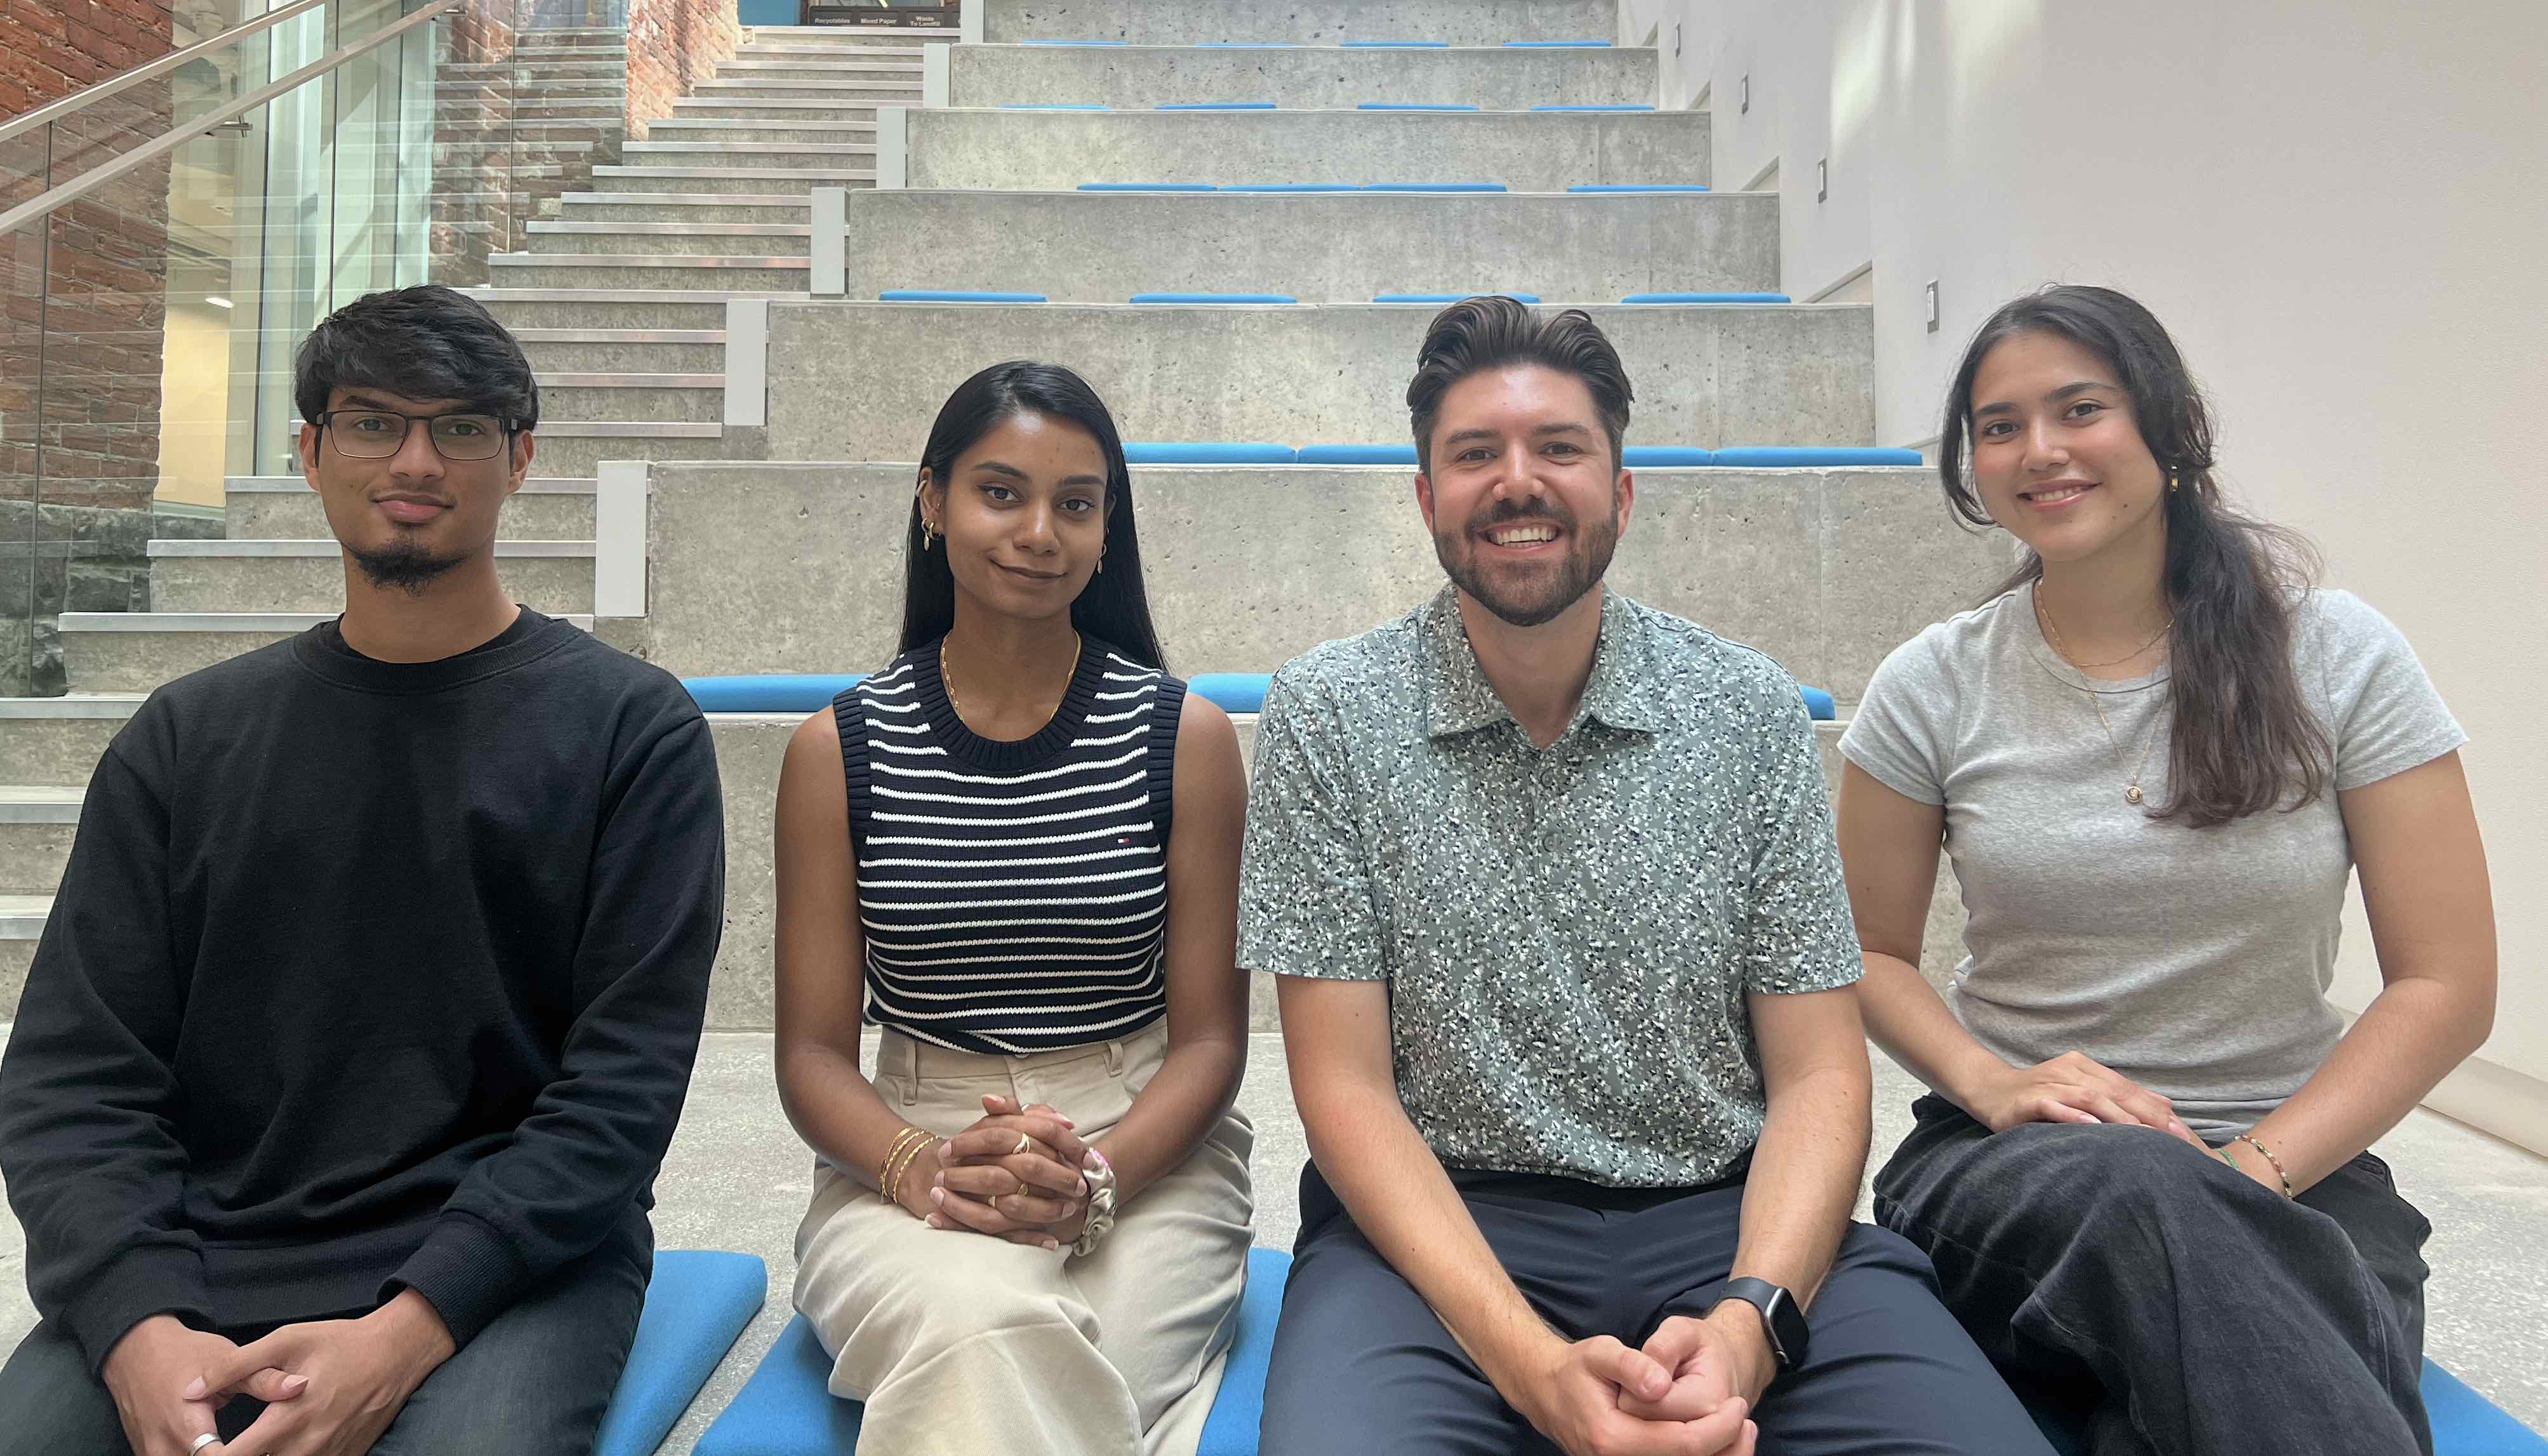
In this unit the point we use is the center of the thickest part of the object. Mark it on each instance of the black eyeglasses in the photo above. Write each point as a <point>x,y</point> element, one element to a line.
<point>378,434</point>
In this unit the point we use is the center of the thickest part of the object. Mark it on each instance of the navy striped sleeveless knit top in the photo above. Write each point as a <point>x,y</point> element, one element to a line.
<point>1013,896</point>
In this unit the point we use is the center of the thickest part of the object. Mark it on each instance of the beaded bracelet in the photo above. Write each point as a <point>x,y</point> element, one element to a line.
<point>2270,1159</point>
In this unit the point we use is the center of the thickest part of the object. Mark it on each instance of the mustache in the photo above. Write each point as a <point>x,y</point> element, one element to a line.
<point>1536,508</point>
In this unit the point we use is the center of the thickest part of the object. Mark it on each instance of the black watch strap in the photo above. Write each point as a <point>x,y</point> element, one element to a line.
<point>1779,1315</point>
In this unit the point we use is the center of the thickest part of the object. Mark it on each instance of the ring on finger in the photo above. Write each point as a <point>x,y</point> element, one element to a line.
<point>208,1438</point>
<point>1023,1141</point>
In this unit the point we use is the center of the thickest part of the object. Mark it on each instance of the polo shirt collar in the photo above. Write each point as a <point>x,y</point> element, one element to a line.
<point>1621,692</point>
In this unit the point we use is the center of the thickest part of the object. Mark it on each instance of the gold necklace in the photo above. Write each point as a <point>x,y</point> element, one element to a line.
<point>948,680</point>
<point>2131,787</point>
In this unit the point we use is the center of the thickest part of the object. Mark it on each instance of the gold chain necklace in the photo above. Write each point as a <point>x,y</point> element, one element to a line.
<point>2132,786</point>
<point>948,680</point>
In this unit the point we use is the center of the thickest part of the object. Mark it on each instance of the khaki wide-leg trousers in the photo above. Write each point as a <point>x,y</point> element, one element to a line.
<point>963,1343</point>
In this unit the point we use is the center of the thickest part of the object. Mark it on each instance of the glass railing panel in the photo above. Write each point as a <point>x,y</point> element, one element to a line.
<point>22,307</point>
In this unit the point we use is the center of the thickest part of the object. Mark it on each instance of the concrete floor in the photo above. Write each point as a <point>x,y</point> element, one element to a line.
<point>738,1178</point>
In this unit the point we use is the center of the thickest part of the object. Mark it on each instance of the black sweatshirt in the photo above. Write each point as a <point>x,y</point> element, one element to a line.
<point>365,976</point>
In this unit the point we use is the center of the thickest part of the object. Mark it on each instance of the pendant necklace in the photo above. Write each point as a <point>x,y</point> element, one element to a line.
<point>2133,794</point>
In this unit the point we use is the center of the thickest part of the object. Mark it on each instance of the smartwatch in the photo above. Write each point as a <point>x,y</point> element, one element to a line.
<point>1779,1317</point>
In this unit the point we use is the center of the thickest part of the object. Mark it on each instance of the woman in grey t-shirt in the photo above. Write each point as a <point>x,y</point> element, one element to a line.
<point>2155,759</point>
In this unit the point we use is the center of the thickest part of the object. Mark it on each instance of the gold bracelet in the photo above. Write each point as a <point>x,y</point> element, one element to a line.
<point>2270,1159</point>
<point>888,1176</point>
<point>903,1160</point>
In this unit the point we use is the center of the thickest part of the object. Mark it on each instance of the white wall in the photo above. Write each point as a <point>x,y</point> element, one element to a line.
<point>2339,207</point>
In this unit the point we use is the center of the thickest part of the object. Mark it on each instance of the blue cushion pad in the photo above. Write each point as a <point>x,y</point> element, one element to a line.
<point>807,692</point>
<point>1829,457</point>
<point>1357,455</point>
<point>1206,452</point>
<point>697,1302</point>
<point>2464,1423</point>
<point>787,1408</point>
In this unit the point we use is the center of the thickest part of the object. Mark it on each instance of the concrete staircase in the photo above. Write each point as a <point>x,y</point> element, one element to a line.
<point>517,134</point>
<point>771,533</point>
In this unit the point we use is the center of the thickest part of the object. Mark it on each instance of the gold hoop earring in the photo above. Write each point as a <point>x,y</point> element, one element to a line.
<point>928,536</point>
<point>2173,484</point>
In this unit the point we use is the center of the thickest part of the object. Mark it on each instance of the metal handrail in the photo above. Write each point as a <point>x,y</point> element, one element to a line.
<point>159,147</point>
<point>55,111</point>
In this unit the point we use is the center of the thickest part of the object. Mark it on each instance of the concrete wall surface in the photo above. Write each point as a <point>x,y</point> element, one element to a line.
<point>798,568</point>
<point>1526,151</point>
<point>1497,77</point>
<point>2335,206</point>
<point>1704,375</point>
<point>1300,21</point>
<point>1320,247</point>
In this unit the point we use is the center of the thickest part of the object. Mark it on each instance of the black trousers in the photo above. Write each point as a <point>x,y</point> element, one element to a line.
<point>533,1383</point>
<point>2164,1301</point>
<point>1361,1364</point>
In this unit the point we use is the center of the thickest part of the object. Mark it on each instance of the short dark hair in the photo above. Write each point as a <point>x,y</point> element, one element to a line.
<point>426,343</point>
<point>1492,331</point>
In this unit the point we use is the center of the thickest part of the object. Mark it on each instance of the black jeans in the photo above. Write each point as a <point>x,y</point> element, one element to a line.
<point>534,1383</point>
<point>2167,1302</point>
<point>1362,1365</point>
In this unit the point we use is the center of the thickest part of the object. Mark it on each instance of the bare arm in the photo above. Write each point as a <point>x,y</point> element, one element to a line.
<point>1207,992</point>
<point>2432,922</point>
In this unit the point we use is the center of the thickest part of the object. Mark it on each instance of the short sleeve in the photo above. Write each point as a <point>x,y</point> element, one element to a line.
<point>1797,932</point>
<point>1899,732</point>
<point>2382,710</point>
<point>1304,900</point>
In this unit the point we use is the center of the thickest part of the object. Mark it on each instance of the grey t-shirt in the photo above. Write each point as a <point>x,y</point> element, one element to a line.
<point>2194,962</point>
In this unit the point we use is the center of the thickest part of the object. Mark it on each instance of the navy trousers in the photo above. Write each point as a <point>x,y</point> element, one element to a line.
<point>1362,1365</point>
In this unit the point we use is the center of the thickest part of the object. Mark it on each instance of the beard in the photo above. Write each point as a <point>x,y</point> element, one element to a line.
<point>403,565</point>
<point>1536,593</point>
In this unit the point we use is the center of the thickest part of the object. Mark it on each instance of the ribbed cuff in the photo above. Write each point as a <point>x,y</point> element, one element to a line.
<point>141,1283</point>
<point>467,1273</point>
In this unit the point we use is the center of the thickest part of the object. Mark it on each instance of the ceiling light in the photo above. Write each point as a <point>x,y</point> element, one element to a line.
<point>216,301</point>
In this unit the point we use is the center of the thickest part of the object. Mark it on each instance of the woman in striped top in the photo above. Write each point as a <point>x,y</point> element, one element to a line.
<point>1015,850</point>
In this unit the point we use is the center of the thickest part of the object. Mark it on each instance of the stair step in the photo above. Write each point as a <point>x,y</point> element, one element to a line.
<point>754,180</point>
<point>578,242</point>
<point>555,577</point>
<point>548,507</point>
<point>889,91</point>
<point>643,270</point>
<point>56,741</point>
<point>623,207</point>
<point>612,307</point>
<point>41,804</point>
<point>22,917</point>
<point>136,652</point>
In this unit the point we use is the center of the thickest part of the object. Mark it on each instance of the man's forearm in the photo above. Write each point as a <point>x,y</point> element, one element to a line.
<point>1402,1201</point>
<point>1804,1179</point>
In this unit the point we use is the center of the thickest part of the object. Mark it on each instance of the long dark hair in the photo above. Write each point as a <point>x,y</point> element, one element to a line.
<point>2243,738</point>
<point>1113,608</point>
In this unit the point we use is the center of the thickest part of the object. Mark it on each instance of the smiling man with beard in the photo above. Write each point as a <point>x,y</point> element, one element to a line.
<point>1568,989</point>
<point>369,1000</point>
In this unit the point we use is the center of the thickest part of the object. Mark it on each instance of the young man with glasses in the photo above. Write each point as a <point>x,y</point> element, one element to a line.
<point>369,999</point>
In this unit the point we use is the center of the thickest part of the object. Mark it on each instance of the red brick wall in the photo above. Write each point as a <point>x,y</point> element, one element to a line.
<point>82,302</point>
<point>673,43</point>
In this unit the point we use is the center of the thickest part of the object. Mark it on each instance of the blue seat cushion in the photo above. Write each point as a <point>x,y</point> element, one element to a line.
<point>807,692</point>
<point>1206,452</point>
<point>787,1407</point>
<point>2464,1423</point>
<point>1214,298</point>
<point>1705,298</point>
<point>1819,705</point>
<point>1232,693</point>
<point>1357,455</point>
<point>1829,457</point>
<point>1656,456</point>
<point>957,296</point>
<point>698,1303</point>
<point>1451,298</point>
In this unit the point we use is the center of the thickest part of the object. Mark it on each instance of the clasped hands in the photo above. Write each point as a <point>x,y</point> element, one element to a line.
<point>331,1387</point>
<point>1688,1391</point>
<point>1016,1174</point>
